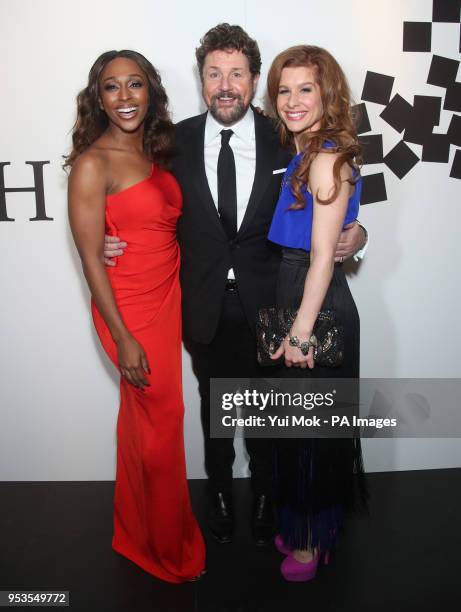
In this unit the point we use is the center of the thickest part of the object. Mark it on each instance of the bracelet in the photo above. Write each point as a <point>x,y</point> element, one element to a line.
<point>303,346</point>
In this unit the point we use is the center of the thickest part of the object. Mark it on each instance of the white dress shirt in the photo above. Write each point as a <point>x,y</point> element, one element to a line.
<point>243,145</point>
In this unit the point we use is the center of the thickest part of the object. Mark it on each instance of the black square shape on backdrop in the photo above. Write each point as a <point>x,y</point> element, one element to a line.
<point>416,132</point>
<point>454,131</point>
<point>446,11</point>
<point>372,148</point>
<point>397,113</point>
<point>401,159</point>
<point>373,189</point>
<point>443,71</point>
<point>436,149</point>
<point>456,165</point>
<point>425,115</point>
<point>427,108</point>
<point>417,35</point>
<point>359,111</point>
<point>377,87</point>
<point>453,98</point>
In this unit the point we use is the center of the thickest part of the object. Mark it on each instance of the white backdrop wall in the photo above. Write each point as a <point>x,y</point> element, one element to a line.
<point>59,394</point>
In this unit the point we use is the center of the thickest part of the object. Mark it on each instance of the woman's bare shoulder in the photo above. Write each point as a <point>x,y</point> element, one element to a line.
<point>323,164</point>
<point>91,166</point>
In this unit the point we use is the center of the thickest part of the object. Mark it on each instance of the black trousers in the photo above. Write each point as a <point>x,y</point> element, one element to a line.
<point>231,354</point>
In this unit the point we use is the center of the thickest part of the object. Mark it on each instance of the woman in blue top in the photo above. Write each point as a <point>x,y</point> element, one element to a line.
<point>316,478</point>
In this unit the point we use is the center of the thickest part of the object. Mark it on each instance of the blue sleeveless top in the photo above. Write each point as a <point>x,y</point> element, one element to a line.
<point>293,228</point>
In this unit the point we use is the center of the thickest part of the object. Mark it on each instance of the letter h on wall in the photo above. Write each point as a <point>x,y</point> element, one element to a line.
<point>38,189</point>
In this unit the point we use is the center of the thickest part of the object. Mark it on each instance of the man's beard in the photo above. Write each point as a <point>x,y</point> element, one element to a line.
<point>228,116</point>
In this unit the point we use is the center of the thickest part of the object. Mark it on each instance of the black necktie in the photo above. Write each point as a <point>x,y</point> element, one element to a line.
<point>227,188</point>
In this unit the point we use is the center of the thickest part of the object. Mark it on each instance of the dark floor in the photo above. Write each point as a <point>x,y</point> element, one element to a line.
<point>405,556</point>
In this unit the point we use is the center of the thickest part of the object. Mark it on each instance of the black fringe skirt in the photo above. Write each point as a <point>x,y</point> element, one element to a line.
<point>318,479</point>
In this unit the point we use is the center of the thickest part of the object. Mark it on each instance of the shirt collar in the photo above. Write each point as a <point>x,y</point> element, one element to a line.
<point>243,129</point>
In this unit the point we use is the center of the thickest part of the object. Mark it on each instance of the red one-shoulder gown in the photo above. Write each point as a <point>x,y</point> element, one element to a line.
<point>153,521</point>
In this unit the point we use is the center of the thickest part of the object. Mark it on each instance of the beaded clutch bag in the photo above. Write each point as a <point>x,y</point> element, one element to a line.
<point>274,324</point>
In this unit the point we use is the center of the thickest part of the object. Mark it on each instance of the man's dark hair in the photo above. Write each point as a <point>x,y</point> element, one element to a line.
<point>226,36</point>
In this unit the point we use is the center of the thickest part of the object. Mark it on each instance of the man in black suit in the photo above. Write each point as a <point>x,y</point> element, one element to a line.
<point>228,268</point>
<point>229,165</point>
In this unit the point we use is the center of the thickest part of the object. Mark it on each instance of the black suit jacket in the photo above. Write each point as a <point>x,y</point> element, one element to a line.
<point>206,252</point>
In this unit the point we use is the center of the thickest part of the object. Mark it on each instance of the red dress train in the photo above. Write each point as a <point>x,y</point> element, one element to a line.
<point>153,521</point>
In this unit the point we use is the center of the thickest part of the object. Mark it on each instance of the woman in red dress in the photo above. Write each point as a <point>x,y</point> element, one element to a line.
<point>122,143</point>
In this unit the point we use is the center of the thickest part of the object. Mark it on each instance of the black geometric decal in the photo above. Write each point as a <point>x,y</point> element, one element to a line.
<point>446,11</point>
<point>453,98</point>
<point>427,109</point>
<point>401,159</point>
<point>456,166</point>
<point>377,87</point>
<point>397,113</point>
<point>417,36</point>
<point>373,189</point>
<point>425,115</point>
<point>436,149</point>
<point>359,111</point>
<point>372,148</point>
<point>454,131</point>
<point>443,71</point>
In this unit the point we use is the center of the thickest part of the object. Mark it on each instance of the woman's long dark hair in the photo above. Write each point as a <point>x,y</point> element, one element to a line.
<point>92,121</point>
<point>338,125</point>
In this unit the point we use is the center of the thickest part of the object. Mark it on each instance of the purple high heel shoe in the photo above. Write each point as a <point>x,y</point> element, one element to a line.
<point>281,546</point>
<point>295,571</point>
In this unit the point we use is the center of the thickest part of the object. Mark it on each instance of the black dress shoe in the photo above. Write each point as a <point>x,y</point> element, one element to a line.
<point>263,521</point>
<point>220,517</point>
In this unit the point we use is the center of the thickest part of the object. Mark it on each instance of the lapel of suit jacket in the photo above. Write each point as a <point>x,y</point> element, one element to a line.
<point>267,144</point>
<point>195,148</point>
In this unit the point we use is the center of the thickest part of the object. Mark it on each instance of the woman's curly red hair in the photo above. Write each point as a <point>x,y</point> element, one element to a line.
<point>338,125</point>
